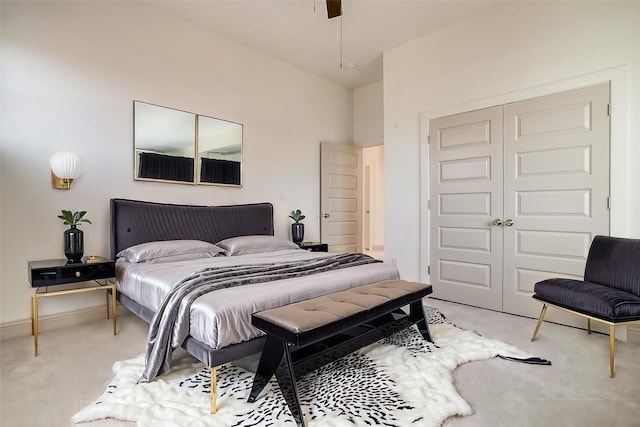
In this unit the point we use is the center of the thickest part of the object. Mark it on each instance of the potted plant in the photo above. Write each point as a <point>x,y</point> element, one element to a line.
<point>297,228</point>
<point>73,237</point>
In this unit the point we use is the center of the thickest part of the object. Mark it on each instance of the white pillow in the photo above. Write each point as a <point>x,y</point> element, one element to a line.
<point>245,245</point>
<point>173,250</point>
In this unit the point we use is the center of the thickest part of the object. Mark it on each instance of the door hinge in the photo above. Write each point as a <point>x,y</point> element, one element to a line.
<point>609,110</point>
<point>428,269</point>
<point>428,139</point>
<point>428,204</point>
<point>609,203</point>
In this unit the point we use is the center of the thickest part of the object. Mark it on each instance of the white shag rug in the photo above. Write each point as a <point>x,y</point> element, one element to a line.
<point>399,381</point>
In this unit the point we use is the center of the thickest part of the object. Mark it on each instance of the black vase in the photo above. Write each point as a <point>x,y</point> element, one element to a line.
<point>74,244</point>
<point>297,232</point>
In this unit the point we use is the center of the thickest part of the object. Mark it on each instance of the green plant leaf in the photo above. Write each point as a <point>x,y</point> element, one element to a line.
<point>296,215</point>
<point>74,218</point>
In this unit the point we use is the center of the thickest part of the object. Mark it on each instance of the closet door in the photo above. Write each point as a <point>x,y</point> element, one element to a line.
<point>556,181</point>
<point>465,152</point>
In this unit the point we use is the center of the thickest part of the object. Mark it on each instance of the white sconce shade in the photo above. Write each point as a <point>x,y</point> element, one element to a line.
<point>65,167</point>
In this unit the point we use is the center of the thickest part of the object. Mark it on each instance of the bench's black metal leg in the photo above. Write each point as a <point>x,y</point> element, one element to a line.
<point>416,313</point>
<point>269,360</point>
<point>286,376</point>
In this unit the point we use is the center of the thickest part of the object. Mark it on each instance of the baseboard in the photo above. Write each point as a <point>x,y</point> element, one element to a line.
<point>22,328</point>
<point>633,334</point>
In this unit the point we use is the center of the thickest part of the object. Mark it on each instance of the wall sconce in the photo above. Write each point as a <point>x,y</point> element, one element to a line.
<point>65,167</point>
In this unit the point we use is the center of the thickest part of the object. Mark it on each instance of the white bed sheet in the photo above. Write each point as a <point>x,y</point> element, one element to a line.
<point>223,317</point>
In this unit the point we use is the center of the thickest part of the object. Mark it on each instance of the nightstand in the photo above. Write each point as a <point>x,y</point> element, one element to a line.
<point>54,272</point>
<point>314,246</point>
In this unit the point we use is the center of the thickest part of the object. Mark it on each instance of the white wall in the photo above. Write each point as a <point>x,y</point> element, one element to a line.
<point>70,73</point>
<point>368,132</point>
<point>368,115</point>
<point>516,50</point>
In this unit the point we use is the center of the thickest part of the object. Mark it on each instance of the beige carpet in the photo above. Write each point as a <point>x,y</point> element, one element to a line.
<point>75,364</point>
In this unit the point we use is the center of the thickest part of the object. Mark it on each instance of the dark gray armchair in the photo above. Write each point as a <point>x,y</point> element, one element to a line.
<point>609,293</point>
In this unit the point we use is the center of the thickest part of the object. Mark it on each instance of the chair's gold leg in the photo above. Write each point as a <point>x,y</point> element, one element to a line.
<point>588,325</point>
<point>213,389</point>
<point>542,313</point>
<point>612,346</point>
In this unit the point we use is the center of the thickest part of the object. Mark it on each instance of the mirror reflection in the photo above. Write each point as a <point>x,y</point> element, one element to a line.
<point>219,151</point>
<point>165,143</point>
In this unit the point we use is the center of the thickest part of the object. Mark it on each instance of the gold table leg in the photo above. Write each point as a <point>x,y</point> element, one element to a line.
<point>113,307</point>
<point>34,322</point>
<point>106,296</point>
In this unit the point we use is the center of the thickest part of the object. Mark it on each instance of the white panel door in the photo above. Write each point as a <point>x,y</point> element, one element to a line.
<point>545,182</point>
<point>341,196</point>
<point>465,152</point>
<point>366,229</point>
<point>556,189</point>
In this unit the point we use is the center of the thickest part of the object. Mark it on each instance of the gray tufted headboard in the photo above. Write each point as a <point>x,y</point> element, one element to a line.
<point>135,221</point>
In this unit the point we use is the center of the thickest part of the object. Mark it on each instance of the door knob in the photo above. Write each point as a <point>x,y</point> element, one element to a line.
<point>325,215</point>
<point>497,222</point>
<point>508,222</point>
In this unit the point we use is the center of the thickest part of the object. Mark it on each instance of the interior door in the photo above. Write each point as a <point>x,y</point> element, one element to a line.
<point>556,189</point>
<point>367,209</point>
<point>465,152</point>
<point>341,196</point>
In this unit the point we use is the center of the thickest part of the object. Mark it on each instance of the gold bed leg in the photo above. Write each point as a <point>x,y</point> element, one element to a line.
<point>213,389</point>
<point>612,346</point>
<point>588,325</point>
<point>544,311</point>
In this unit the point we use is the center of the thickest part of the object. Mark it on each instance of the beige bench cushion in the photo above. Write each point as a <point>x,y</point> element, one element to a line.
<point>309,314</point>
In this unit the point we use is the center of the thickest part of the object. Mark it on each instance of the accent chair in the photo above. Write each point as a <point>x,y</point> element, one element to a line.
<point>609,293</point>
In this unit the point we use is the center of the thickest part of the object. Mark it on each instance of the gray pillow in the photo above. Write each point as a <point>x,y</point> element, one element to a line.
<point>245,245</point>
<point>173,250</point>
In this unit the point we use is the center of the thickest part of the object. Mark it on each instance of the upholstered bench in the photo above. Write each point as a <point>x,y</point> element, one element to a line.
<point>308,334</point>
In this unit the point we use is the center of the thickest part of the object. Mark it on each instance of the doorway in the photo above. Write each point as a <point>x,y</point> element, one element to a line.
<point>373,201</point>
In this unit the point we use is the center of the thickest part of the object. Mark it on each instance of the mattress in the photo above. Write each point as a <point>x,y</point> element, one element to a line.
<point>223,317</point>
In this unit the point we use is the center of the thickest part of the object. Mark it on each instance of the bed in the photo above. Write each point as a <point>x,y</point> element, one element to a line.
<point>219,326</point>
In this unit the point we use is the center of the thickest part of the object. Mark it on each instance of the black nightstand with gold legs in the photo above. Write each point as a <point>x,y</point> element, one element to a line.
<point>45,273</point>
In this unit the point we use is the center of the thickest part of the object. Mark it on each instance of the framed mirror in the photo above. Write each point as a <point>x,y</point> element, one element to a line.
<point>219,151</point>
<point>164,143</point>
<point>177,146</point>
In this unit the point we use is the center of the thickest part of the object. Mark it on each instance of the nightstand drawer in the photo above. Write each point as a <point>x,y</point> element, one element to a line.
<point>314,247</point>
<point>41,274</point>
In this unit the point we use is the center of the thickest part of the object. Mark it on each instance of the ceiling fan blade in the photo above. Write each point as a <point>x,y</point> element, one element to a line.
<point>334,8</point>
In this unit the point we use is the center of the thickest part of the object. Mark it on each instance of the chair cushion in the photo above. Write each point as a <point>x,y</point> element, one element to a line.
<point>589,298</point>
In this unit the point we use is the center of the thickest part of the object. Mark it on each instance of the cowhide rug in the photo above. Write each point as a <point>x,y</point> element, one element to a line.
<point>399,381</point>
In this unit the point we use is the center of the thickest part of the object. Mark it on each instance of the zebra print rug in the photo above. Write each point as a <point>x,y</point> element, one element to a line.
<point>398,381</point>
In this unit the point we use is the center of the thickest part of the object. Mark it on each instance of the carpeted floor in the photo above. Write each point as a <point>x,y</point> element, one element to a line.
<point>75,366</point>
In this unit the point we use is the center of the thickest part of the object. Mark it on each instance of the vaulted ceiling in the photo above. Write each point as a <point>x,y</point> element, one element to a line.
<point>347,50</point>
